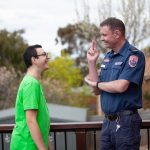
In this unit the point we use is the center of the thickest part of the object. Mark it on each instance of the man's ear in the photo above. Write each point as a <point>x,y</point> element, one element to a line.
<point>33,60</point>
<point>117,34</point>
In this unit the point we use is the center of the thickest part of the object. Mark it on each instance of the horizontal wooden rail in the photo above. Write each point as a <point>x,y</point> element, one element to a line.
<point>7,128</point>
<point>80,129</point>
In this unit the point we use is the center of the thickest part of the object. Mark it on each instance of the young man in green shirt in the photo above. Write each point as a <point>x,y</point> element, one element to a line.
<point>32,116</point>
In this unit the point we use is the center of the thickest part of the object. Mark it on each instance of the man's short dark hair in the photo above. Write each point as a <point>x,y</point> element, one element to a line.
<point>114,24</point>
<point>29,53</point>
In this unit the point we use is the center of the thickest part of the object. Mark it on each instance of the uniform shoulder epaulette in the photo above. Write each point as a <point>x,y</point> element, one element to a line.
<point>134,49</point>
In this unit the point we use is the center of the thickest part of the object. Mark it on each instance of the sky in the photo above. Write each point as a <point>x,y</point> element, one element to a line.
<point>41,19</point>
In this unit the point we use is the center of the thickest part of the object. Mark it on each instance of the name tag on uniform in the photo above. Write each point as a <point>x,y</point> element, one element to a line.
<point>118,63</point>
<point>106,60</point>
<point>103,66</point>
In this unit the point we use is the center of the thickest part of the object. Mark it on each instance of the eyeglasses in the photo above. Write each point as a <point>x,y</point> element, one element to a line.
<point>43,54</point>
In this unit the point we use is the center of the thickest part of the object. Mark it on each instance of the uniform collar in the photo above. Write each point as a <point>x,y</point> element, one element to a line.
<point>123,49</point>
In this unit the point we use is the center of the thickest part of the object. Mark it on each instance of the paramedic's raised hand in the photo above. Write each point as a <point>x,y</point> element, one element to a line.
<point>92,53</point>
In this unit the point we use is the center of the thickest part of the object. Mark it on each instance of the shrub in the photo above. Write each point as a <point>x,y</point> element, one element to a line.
<point>9,82</point>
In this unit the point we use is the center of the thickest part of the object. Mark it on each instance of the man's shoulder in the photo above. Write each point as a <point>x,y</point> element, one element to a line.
<point>29,80</point>
<point>134,50</point>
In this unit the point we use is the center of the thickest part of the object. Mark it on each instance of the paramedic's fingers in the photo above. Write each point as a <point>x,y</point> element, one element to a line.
<point>90,83</point>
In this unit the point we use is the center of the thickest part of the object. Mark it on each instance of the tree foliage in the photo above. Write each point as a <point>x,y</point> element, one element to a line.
<point>12,46</point>
<point>62,83</point>
<point>64,70</point>
<point>136,16</point>
<point>77,38</point>
<point>147,51</point>
<point>9,82</point>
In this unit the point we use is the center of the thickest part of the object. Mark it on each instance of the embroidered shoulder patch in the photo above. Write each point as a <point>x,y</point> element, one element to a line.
<point>133,59</point>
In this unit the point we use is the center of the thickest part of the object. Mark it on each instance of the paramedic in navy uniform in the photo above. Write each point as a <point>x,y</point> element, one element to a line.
<point>120,86</point>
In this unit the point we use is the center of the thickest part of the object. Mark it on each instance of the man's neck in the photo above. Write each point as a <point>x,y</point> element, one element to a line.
<point>119,46</point>
<point>33,71</point>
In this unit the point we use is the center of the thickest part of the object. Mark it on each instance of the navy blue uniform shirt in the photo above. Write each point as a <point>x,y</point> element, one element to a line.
<point>128,64</point>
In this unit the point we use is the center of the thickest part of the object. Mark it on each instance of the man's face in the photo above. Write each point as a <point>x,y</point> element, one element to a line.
<point>108,37</point>
<point>42,59</point>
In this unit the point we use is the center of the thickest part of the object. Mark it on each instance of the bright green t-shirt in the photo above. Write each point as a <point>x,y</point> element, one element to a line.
<point>30,96</point>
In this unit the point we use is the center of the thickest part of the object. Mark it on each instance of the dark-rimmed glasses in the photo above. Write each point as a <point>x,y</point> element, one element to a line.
<point>43,54</point>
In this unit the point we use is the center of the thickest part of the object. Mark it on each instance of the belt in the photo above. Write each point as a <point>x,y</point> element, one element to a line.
<point>119,114</point>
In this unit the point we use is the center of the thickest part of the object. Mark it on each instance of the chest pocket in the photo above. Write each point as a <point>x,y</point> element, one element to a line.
<point>115,71</point>
<point>110,73</point>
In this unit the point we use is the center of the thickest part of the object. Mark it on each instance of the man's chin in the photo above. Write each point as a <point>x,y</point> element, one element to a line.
<point>46,68</point>
<point>107,45</point>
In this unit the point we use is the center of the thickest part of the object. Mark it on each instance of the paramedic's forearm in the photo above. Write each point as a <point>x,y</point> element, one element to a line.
<point>116,86</point>
<point>93,74</point>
